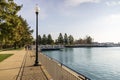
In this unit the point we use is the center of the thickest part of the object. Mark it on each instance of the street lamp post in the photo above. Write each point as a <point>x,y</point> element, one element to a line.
<point>37,12</point>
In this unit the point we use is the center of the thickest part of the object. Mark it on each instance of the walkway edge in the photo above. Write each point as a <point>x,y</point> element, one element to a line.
<point>48,76</point>
<point>22,67</point>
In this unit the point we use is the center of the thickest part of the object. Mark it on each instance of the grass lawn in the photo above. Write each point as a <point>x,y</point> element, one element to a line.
<point>4,56</point>
<point>8,49</point>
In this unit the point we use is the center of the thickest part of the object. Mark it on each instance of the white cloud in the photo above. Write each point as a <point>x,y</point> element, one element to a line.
<point>110,26</point>
<point>113,3</point>
<point>113,19</point>
<point>78,2</point>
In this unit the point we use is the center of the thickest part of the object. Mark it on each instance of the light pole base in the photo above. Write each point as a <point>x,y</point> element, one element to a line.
<point>37,64</point>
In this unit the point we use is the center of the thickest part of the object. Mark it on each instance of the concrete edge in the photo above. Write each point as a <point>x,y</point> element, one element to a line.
<point>22,67</point>
<point>48,76</point>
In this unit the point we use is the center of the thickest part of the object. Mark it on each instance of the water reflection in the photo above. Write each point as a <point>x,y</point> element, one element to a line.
<point>66,56</point>
<point>88,53</point>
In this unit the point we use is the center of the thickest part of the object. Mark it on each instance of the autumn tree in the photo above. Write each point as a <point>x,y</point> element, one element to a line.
<point>14,30</point>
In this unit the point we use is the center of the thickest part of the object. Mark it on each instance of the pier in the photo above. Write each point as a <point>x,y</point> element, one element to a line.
<point>50,47</point>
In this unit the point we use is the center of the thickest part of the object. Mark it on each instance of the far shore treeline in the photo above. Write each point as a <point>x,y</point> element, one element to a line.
<point>14,30</point>
<point>63,39</point>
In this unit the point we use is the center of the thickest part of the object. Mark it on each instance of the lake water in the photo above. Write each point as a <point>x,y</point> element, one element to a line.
<point>94,63</point>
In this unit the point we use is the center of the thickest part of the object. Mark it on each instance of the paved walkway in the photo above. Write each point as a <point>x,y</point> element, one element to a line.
<point>31,72</point>
<point>9,68</point>
<point>20,67</point>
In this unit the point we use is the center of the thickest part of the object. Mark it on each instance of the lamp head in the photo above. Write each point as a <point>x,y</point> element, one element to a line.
<point>37,9</point>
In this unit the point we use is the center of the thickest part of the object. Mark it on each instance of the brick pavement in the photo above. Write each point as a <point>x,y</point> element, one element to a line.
<point>31,72</point>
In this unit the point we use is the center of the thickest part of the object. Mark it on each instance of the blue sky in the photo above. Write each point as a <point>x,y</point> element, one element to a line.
<point>99,19</point>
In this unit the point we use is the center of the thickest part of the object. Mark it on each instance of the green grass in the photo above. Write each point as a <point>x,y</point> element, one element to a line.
<point>8,49</point>
<point>4,56</point>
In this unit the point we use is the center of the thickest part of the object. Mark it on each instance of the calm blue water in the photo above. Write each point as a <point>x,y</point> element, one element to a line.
<point>95,63</point>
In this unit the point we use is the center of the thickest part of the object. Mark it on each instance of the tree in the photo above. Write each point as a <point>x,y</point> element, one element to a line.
<point>14,29</point>
<point>49,39</point>
<point>39,40</point>
<point>44,40</point>
<point>71,39</point>
<point>56,41</point>
<point>81,41</point>
<point>66,39</point>
<point>25,34</point>
<point>60,39</point>
<point>88,40</point>
<point>9,21</point>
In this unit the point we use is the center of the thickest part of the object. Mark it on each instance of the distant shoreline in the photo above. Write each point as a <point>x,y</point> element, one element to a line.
<point>92,45</point>
<point>59,47</point>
